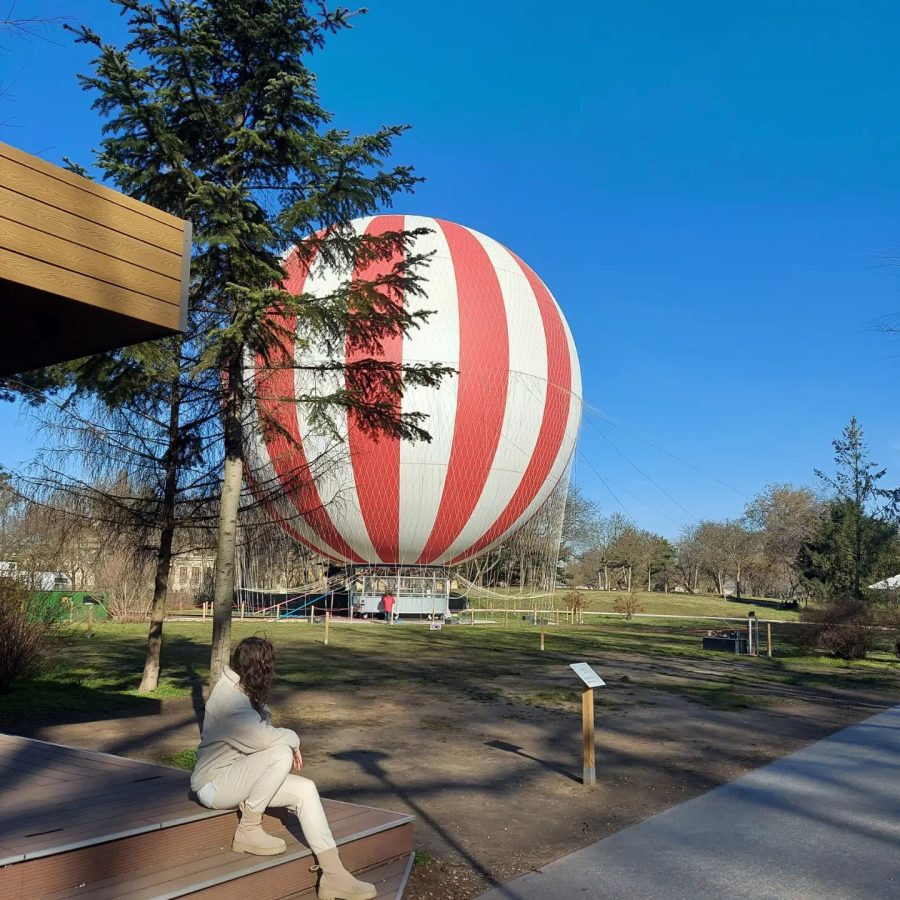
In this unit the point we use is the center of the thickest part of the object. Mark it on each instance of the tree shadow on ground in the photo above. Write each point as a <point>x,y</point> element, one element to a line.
<point>371,762</point>
<point>763,604</point>
<point>31,705</point>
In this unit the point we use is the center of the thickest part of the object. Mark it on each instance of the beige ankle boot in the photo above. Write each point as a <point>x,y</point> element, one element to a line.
<point>250,837</point>
<point>337,883</point>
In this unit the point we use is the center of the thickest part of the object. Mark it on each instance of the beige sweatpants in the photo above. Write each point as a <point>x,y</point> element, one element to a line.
<point>264,779</point>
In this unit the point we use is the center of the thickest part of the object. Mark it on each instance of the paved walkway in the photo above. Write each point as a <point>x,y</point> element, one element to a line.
<point>821,823</point>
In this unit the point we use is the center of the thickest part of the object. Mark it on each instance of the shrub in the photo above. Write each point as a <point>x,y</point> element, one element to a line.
<point>576,603</point>
<point>841,627</point>
<point>627,605</point>
<point>29,629</point>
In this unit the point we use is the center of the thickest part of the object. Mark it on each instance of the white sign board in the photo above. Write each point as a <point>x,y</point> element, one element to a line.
<point>587,675</point>
<point>435,626</point>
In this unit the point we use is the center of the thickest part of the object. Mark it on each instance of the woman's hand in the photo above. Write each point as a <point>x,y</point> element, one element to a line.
<point>298,760</point>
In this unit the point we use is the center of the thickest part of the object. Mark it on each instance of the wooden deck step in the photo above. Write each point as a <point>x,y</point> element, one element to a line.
<point>222,876</point>
<point>80,824</point>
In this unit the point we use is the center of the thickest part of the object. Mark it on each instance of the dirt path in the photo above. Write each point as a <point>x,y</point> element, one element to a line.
<point>492,775</point>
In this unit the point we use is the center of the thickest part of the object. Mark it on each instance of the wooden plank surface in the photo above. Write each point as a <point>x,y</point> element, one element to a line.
<point>70,844</point>
<point>69,834</point>
<point>61,282</point>
<point>72,226</point>
<point>225,874</point>
<point>11,158</point>
<point>91,263</point>
<point>158,847</point>
<point>64,238</point>
<point>56,797</point>
<point>193,868</point>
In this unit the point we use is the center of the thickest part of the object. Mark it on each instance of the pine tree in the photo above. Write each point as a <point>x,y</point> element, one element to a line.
<point>211,113</point>
<point>859,503</point>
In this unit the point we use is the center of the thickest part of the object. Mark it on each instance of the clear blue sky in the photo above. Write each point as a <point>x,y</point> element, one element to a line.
<point>711,190</point>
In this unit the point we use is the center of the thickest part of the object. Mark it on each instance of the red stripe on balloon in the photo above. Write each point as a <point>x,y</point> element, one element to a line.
<point>481,387</point>
<point>376,458</point>
<point>553,422</point>
<point>277,403</point>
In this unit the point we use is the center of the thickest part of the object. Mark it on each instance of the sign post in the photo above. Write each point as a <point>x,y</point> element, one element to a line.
<point>588,769</point>
<point>591,680</point>
<point>90,603</point>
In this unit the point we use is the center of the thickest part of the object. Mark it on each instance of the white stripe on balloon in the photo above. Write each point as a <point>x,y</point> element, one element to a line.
<point>423,465</point>
<point>525,396</point>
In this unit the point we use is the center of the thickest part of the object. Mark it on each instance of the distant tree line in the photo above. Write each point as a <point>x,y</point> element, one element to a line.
<point>790,542</point>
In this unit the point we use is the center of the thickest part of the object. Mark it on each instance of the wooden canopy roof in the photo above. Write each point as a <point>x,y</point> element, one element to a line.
<point>83,268</point>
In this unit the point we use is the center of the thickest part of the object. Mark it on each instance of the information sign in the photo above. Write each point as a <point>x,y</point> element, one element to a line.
<point>587,675</point>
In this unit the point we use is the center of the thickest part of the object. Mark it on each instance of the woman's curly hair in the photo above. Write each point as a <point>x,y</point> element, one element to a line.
<point>254,661</point>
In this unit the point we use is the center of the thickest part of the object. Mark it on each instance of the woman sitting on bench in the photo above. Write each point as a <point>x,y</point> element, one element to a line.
<point>243,761</point>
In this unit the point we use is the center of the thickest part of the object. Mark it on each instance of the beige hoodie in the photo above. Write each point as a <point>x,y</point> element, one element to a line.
<point>232,728</point>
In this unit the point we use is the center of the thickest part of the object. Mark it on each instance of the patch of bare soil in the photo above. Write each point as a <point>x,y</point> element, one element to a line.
<point>493,776</point>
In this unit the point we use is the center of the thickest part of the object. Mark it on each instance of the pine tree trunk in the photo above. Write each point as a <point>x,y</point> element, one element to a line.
<point>229,502</point>
<point>150,677</point>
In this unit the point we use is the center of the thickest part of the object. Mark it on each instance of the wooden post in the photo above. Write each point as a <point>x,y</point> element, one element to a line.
<point>91,620</point>
<point>542,634</point>
<point>589,772</point>
<point>327,620</point>
<point>204,610</point>
<point>769,638</point>
<point>242,610</point>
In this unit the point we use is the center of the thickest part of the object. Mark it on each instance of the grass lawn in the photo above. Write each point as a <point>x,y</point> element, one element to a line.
<point>655,604</point>
<point>102,674</point>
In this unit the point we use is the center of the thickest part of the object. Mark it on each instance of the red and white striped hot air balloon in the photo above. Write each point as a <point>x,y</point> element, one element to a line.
<point>502,431</point>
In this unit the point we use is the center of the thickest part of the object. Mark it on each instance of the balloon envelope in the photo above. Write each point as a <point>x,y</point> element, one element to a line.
<point>503,429</point>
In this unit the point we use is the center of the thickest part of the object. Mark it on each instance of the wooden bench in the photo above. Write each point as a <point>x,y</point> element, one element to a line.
<point>75,823</point>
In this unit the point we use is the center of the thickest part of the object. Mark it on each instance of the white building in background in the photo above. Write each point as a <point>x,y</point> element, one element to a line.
<point>192,575</point>
<point>37,581</point>
<point>888,584</point>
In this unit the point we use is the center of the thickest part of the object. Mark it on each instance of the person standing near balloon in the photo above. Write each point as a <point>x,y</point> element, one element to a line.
<point>389,600</point>
<point>244,761</point>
